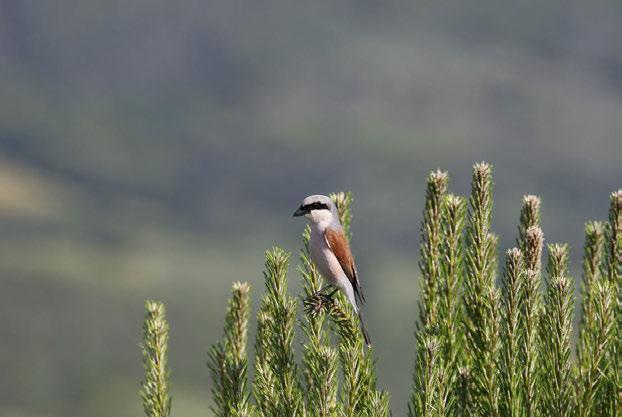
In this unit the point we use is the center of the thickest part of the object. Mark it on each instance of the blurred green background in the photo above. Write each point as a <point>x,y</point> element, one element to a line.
<point>156,149</point>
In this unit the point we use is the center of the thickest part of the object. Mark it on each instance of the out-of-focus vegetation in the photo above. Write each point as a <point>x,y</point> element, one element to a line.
<point>155,149</point>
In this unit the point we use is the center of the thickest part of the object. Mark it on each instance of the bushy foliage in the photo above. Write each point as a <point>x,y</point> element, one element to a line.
<point>154,391</point>
<point>485,345</point>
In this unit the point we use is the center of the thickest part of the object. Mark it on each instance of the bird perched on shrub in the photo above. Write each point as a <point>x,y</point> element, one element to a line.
<point>331,252</point>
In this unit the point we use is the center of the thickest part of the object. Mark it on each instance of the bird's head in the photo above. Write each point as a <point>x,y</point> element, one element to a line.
<point>317,209</point>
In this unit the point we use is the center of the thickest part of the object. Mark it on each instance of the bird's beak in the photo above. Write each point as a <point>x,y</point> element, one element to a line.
<point>300,212</point>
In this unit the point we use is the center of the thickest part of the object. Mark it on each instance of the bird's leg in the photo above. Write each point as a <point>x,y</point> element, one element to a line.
<point>315,294</point>
<point>332,293</point>
<point>327,299</point>
<point>316,301</point>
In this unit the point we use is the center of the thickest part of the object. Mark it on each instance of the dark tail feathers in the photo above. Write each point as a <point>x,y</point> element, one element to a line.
<point>363,329</point>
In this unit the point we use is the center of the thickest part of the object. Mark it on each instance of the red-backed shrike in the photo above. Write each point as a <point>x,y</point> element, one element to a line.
<point>331,252</point>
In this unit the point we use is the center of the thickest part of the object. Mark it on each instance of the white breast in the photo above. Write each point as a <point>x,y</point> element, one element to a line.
<point>325,260</point>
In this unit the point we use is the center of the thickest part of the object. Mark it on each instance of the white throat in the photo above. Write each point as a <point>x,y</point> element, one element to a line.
<point>320,218</point>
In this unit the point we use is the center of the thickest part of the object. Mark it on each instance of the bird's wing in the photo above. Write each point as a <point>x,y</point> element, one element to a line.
<point>338,244</point>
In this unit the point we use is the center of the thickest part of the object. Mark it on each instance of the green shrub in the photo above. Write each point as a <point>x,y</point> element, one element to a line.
<point>483,348</point>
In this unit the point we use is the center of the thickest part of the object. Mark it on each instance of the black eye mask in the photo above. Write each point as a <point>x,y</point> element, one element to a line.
<point>304,209</point>
<point>315,206</point>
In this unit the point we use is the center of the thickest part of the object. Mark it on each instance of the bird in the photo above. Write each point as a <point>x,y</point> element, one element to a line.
<point>331,253</point>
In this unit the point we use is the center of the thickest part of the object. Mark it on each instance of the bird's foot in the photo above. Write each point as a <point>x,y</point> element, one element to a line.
<point>318,302</point>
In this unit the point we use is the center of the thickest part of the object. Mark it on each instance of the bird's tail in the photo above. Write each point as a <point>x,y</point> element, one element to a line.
<point>350,294</point>
<point>363,328</point>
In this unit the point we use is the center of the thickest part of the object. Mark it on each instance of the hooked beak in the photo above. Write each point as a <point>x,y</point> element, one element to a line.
<point>300,212</point>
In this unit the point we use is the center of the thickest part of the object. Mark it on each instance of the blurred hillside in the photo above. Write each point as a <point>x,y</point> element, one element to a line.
<point>155,149</point>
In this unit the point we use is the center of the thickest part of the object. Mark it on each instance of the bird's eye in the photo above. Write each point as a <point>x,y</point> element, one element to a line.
<point>315,206</point>
<point>319,206</point>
